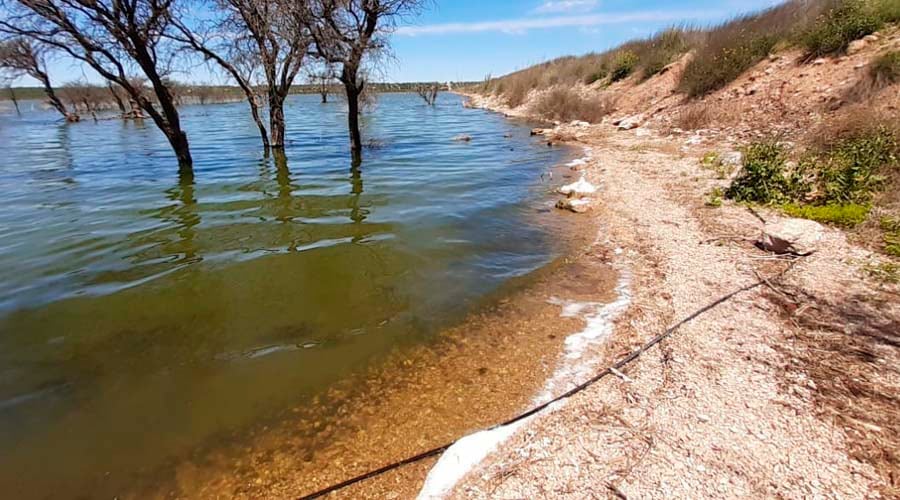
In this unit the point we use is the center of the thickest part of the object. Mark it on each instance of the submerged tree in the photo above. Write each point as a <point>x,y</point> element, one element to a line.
<point>348,34</point>
<point>120,103</point>
<point>247,35</point>
<point>111,37</point>
<point>13,97</point>
<point>20,56</point>
<point>428,93</point>
<point>322,79</point>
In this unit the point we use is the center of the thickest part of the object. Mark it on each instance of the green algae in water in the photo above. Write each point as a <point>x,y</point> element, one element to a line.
<point>142,317</point>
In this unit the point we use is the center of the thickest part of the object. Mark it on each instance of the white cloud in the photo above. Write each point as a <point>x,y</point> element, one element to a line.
<point>523,25</point>
<point>555,6</point>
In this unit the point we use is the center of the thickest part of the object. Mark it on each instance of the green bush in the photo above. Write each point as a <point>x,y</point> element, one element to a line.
<point>851,168</point>
<point>623,64</point>
<point>838,215</point>
<point>715,198</point>
<point>885,69</point>
<point>765,177</point>
<point>834,30</point>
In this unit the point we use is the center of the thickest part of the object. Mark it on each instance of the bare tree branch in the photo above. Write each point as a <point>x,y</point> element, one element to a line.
<point>116,38</point>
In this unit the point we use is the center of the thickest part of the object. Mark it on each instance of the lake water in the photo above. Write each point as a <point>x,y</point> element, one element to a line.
<point>142,317</point>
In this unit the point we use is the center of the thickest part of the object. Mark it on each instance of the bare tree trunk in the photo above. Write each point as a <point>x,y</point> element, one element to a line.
<point>276,119</point>
<point>14,99</point>
<point>353,121</point>
<point>54,100</point>
<point>169,121</point>
<point>324,94</point>
<point>179,143</point>
<point>119,102</point>
<point>254,111</point>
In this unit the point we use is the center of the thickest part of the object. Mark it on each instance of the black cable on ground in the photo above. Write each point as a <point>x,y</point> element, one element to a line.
<point>537,409</point>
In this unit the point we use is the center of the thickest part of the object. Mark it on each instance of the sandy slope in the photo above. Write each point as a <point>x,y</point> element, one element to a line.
<point>721,409</point>
<point>790,390</point>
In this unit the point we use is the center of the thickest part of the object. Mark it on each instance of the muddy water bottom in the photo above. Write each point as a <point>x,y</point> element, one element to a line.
<point>484,370</point>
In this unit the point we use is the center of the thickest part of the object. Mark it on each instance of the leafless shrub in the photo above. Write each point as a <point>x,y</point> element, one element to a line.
<point>564,104</point>
<point>705,114</point>
<point>323,79</point>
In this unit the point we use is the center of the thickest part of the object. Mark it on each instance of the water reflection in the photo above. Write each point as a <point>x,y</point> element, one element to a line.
<point>143,315</point>
<point>358,213</point>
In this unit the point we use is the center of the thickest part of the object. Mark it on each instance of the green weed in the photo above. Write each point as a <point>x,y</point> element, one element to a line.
<point>836,215</point>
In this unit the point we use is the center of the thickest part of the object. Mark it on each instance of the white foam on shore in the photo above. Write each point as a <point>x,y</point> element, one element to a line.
<point>578,363</point>
<point>580,162</point>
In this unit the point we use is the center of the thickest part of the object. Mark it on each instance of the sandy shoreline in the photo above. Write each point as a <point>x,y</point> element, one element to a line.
<point>731,406</point>
<point>486,369</point>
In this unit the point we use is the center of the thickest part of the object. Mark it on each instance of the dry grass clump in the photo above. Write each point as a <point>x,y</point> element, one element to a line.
<point>702,115</point>
<point>663,49</point>
<point>885,70</point>
<point>734,47</point>
<point>882,72</point>
<point>646,57</point>
<point>855,121</point>
<point>565,105</point>
<point>849,348</point>
<point>842,22</point>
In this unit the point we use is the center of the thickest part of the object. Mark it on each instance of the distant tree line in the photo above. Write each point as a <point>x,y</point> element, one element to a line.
<point>263,46</point>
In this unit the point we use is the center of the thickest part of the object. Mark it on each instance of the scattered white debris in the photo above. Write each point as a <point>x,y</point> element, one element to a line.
<point>580,124</point>
<point>580,188</point>
<point>642,132</point>
<point>694,140</point>
<point>579,206</point>
<point>630,122</point>
<point>462,457</point>
<point>471,450</point>
<point>577,365</point>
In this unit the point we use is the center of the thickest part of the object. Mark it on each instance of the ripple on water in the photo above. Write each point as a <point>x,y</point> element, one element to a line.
<point>188,310</point>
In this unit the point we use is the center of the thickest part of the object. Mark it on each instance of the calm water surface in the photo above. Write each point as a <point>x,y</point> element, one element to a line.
<point>142,317</point>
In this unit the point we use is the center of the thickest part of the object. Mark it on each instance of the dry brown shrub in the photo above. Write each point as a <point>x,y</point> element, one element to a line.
<point>705,114</point>
<point>855,121</point>
<point>732,48</point>
<point>652,53</point>
<point>565,104</point>
<point>883,72</point>
<point>849,348</point>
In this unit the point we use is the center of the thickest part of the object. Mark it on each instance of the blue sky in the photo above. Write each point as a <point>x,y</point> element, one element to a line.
<point>468,39</point>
